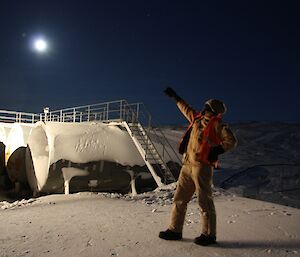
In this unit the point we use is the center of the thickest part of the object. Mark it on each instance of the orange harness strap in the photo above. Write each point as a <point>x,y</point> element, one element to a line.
<point>210,138</point>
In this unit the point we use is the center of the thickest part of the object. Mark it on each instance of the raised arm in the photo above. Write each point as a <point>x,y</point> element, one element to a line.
<point>186,110</point>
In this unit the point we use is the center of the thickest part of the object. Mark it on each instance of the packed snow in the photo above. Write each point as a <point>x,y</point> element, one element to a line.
<point>103,224</point>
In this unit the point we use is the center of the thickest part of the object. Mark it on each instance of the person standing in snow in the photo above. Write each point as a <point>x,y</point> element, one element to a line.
<point>206,138</point>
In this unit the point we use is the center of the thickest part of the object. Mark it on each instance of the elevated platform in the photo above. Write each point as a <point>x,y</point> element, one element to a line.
<point>149,140</point>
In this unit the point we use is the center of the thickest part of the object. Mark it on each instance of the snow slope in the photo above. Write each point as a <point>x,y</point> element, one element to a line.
<point>265,165</point>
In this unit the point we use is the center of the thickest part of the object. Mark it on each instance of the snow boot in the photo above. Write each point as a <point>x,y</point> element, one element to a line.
<point>170,235</point>
<point>205,240</point>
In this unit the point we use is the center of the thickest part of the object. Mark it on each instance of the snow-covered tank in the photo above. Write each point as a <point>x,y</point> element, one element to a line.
<point>80,156</point>
<point>2,150</point>
<point>16,143</point>
<point>4,130</point>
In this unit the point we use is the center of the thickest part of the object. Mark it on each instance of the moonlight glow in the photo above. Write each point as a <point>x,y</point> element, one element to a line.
<point>40,45</point>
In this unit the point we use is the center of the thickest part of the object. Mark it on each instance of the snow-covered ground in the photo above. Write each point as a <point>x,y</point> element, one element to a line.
<point>91,224</point>
<point>264,165</point>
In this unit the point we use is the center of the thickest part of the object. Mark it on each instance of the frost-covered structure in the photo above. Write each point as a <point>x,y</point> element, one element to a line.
<point>102,147</point>
<point>80,143</point>
<point>13,138</point>
<point>4,132</point>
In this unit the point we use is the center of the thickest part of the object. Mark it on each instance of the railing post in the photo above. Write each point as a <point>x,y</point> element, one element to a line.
<point>89,111</point>
<point>132,116</point>
<point>121,110</point>
<point>107,106</point>
<point>137,111</point>
<point>149,121</point>
<point>74,115</point>
<point>60,116</point>
<point>125,111</point>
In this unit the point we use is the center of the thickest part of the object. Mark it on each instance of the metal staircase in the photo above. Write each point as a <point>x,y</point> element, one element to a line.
<point>149,153</point>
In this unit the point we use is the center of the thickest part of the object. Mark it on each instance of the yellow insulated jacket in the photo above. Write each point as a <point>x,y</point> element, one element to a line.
<point>192,148</point>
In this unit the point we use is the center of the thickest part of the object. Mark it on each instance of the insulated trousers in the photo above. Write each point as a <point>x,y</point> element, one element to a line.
<point>194,178</point>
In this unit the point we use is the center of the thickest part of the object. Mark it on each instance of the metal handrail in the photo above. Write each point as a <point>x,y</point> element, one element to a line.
<point>132,118</point>
<point>14,116</point>
<point>102,111</point>
<point>144,113</point>
<point>90,105</point>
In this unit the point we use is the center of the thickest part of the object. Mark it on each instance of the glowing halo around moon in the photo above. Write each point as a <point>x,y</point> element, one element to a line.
<point>40,45</point>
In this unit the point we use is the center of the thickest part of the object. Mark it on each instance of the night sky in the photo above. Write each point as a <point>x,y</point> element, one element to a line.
<point>246,53</point>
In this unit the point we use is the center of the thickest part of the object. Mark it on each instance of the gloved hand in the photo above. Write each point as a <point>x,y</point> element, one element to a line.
<point>170,92</point>
<point>214,152</point>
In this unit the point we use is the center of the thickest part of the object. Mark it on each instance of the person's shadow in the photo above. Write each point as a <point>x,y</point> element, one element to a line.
<point>259,244</point>
<point>293,245</point>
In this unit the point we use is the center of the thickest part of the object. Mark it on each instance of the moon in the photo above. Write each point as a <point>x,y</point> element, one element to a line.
<point>40,45</point>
